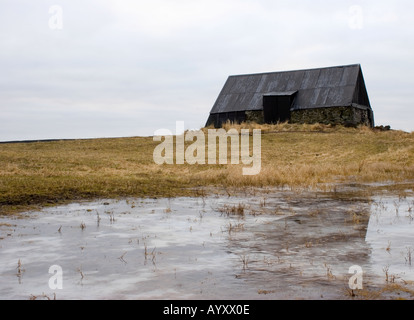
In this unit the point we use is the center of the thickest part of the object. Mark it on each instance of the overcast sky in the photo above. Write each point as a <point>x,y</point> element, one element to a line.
<point>85,69</point>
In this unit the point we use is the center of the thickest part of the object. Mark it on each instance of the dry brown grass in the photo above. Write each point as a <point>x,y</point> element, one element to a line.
<point>292,155</point>
<point>394,291</point>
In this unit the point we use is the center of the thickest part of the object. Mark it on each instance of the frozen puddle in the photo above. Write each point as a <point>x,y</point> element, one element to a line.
<point>271,245</point>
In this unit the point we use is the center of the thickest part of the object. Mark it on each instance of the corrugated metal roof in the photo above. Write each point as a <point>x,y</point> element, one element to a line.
<point>316,88</point>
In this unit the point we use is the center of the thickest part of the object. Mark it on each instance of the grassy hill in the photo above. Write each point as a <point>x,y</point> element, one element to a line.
<point>308,156</point>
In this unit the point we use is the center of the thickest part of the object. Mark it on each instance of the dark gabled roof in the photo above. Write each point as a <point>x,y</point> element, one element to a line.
<point>314,88</point>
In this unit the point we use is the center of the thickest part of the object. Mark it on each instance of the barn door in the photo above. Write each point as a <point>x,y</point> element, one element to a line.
<point>276,108</point>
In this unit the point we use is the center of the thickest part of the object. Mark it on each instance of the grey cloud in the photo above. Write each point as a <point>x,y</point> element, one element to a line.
<point>122,67</point>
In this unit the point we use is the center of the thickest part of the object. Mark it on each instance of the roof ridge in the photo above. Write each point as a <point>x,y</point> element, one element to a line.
<point>289,71</point>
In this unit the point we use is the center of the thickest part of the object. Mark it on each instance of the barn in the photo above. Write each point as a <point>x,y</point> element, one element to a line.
<point>334,95</point>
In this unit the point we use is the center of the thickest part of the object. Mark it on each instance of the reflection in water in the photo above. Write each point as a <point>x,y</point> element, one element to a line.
<point>391,237</point>
<point>264,245</point>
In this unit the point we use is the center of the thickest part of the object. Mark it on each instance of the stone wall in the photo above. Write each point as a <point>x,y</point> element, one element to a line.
<point>363,117</point>
<point>255,116</point>
<point>348,116</point>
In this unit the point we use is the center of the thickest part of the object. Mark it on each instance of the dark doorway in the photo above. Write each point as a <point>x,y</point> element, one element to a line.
<point>276,107</point>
